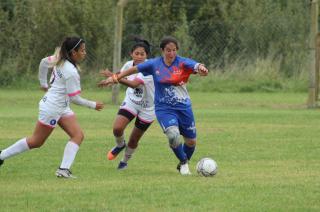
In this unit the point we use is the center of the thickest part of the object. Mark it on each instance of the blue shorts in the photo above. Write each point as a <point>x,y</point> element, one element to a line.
<point>183,119</point>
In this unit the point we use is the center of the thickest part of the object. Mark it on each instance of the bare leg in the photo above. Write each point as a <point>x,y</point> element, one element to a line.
<point>39,136</point>
<point>119,126</point>
<point>71,126</point>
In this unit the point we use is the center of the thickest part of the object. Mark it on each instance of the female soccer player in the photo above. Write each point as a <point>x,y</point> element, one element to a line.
<point>138,102</point>
<point>54,107</point>
<point>172,102</point>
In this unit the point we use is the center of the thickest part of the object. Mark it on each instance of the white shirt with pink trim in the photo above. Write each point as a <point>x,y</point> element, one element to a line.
<point>143,95</point>
<point>44,66</point>
<point>64,83</point>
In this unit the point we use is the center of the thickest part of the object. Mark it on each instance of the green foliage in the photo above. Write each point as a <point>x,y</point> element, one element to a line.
<point>228,36</point>
<point>262,28</point>
<point>37,27</point>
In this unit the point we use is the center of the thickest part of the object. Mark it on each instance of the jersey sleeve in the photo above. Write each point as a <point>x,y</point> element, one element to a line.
<point>146,68</point>
<point>140,78</point>
<point>73,84</point>
<point>126,66</point>
<point>191,64</point>
<point>43,72</point>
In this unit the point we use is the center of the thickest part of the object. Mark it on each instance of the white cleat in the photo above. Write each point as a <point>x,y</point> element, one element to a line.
<point>64,173</point>
<point>184,169</point>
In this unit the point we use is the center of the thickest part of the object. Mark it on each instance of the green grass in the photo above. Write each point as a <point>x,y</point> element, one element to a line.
<point>266,146</point>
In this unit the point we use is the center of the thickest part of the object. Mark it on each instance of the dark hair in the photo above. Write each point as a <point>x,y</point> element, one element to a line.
<point>168,39</point>
<point>141,43</point>
<point>68,45</point>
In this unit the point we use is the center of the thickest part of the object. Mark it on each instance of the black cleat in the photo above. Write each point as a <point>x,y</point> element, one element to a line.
<point>179,166</point>
<point>1,161</point>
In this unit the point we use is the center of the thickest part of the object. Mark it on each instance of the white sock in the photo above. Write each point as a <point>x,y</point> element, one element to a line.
<point>15,149</point>
<point>69,155</point>
<point>120,141</point>
<point>128,154</point>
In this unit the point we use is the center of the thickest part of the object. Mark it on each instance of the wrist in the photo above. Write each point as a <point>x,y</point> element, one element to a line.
<point>115,78</point>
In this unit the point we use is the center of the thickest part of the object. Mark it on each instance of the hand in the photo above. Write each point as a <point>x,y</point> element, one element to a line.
<point>99,106</point>
<point>106,73</point>
<point>203,71</point>
<point>44,88</point>
<point>107,82</point>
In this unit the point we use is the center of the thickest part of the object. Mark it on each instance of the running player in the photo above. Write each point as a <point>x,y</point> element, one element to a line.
<point>138,103</point>
<point>54,107</point>
<point>172,102</point>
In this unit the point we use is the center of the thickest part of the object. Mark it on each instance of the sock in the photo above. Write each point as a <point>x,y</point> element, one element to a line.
<point>180,154</point>
<point>120,141</point>
<point>188,150</point>
<point>69,155</point>
<point>15,149</point>
<point>128,154</point>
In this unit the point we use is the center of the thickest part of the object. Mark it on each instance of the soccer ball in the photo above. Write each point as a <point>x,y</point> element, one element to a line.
<point>207,167</point>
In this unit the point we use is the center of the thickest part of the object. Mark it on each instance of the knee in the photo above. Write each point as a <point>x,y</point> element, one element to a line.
<point>117,131</point>
<point>78,137</point>
<point>34,143</point>
<point>173,135</point>
<point>191,143</point>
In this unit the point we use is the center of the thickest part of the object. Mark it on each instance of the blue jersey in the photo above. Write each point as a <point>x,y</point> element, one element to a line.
<point>170,81</point>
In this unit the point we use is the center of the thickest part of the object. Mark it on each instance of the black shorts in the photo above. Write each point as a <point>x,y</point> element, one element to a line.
<point>138,123</point>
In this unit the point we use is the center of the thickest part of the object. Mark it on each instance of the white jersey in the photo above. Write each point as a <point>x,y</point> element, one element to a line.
<point>143,95</point>
<point>65,83</point>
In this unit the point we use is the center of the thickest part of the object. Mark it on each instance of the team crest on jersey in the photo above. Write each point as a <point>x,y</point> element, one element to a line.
<point>176,70</point>
<point>53,122</point>
<point>157,72</point>
<point>138,92</point>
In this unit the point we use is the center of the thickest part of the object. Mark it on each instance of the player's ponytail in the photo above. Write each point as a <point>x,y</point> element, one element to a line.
<point>68,45</point>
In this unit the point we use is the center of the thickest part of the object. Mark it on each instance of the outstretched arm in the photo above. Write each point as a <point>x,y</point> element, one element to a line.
<point>124,81</point>
<point>118,76</point>
<point>130,83</point>
<point>202,70</point>
<point>78,100</point>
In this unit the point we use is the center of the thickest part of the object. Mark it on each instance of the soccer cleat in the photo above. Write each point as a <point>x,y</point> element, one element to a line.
<point>178,167</point>
<point>122,165</point>
<point>112,154</point>
<point>1,161</point>
<point>64,173</point>
<point>184,169</point>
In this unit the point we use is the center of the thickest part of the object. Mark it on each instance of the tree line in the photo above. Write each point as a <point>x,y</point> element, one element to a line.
<point>216,32</point>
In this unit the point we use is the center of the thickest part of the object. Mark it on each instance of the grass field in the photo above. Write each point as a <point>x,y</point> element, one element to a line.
<point>266,145</point>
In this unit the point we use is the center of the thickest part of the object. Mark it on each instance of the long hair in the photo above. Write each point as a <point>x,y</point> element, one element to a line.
<point>68,45</point>
<point>55,57</point>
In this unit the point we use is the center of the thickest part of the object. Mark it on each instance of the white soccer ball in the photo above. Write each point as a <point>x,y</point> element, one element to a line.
<point>207,167</point>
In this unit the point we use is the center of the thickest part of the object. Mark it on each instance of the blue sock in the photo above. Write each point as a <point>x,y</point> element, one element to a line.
<point>178,151</point>
<point>188,150</point>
